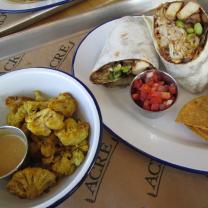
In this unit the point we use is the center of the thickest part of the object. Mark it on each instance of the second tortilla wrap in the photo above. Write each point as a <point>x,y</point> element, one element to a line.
<point>183,52</point>
<point>127,51</point>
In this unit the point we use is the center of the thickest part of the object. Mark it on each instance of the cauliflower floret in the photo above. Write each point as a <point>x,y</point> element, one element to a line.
<point>39,96</point>
<point>16,119</point>
<point>48,146</point>
<point>77,157</point>
<point>73,133</point>
<point>83,146</point>
<point>41,122</point>
<point>33,106</point>
<point>26,108</point>
<point>64,104</point>
<point>31,182</point>
<point>14,102</point>
<point>47,160</point>
<point>63,164</point>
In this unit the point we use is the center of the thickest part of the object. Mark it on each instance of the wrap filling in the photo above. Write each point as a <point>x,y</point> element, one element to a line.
<point>180,30</point>
<point>119,73</point>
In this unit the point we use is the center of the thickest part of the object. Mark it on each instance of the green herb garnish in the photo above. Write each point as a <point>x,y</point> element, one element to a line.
<point>198,28</point>
<point>190,30</point>
<point>125,69</point>
<point>180,24</point>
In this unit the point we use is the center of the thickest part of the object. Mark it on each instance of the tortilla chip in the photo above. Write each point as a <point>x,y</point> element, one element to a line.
<point>195,113</point>
<point>200,132</point>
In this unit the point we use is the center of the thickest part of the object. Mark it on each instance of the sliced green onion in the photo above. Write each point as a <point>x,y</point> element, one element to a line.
<point>125,69</point>
<point>179,23</point>
<point>190,30</point>
<point>117,67</point>
<point>111,76</point>
<point>198,28</point>
<point>117,74</point>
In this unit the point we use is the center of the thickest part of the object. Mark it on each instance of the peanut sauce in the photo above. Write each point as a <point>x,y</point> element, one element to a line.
<point>12,151</point>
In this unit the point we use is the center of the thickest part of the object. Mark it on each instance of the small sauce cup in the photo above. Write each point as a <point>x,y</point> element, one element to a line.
<point>13,148</point>
<point>154,92</point>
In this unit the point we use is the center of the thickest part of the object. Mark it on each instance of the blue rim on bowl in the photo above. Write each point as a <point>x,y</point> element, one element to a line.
<point>34,9</point>
<point>119,138</point>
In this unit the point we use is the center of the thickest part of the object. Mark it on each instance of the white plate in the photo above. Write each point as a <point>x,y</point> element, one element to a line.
<point>159,138</point>
<point>15,7</point>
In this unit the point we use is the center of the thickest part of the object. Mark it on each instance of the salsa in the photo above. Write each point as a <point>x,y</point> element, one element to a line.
<point>153,93</point>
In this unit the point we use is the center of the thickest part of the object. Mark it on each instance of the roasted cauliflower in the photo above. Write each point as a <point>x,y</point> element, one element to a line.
<point>64,104</point>
<point>77,157</point>
<point>39,96</point>
<point>42,122</point>
<point>48,146</point>
<point>74,132</point>
<point>14,102</point>
<point>17,118</point>
<point>57,142</point>
<point>31,182</point>
<point>63,164</point>
<point>83,146</point>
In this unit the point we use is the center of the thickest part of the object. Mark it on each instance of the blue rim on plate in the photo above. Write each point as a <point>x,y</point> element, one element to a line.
<point>36,8</point>
<point>123,140</point>
<point>62,199</point>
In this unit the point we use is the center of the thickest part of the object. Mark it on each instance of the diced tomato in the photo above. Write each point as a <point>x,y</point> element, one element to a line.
<point>143,96</point>
<point>155,107</point>
<point>156,100</point>
<point>163,88</point>
<point>165,95</point>
<point>150,83</point>
<point>145,88</point>
<point>135,97</point>
<point>172,89</point>
<point>155,94</point>
<point>161,83</point>
<point>147,105</point>
<point>137,83</point>
<point>156,85</point>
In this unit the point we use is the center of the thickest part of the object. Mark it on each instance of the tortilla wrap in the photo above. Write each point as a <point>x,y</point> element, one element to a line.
<point>128,44</point>
<point>190,65</point>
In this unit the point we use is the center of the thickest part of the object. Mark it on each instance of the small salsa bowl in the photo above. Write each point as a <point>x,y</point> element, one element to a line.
<point>154,92</point>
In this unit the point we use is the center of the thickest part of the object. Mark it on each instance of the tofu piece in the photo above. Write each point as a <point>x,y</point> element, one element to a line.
<point>139,67</point>
<point>173,9</point>
<point>189,9</point>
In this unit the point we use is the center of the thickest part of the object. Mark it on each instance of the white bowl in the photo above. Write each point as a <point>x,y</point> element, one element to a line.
<point>52,82</point>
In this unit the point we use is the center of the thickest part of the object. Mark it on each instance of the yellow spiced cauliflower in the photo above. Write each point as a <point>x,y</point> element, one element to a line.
<point>57,142</point>
<point>17,118</point>
<point>14,102</point>
<point>74,132</point>
<point>64,104</point>
<point>42,122</point>
<point>63,164</point>
<point>31,182</point>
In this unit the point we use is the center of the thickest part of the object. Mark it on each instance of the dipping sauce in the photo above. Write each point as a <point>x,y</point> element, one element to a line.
<point>12,151</point>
